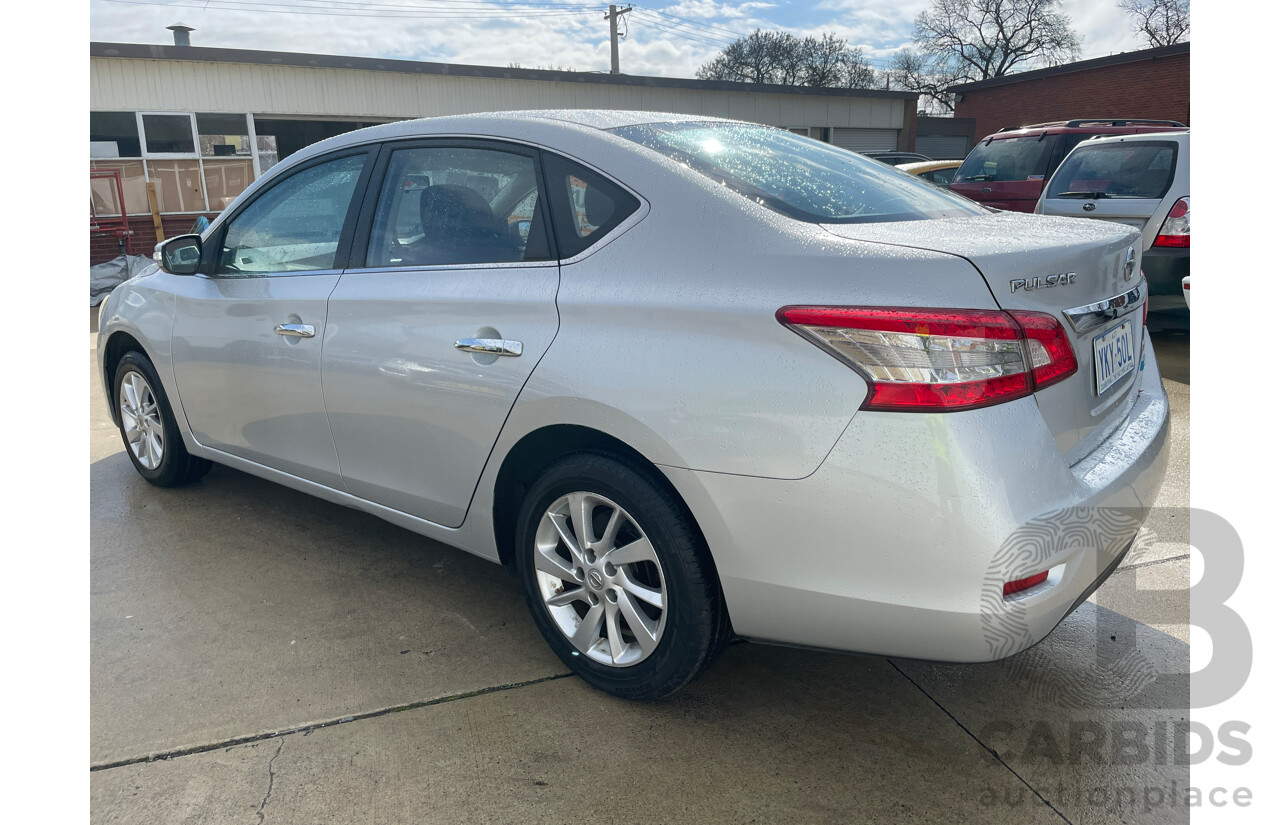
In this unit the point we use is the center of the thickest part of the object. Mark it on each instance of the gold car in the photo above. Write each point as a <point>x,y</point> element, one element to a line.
<point>934,171</point>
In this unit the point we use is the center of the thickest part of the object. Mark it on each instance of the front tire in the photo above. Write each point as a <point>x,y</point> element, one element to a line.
<point>147,426</point>
<point>618,580</point>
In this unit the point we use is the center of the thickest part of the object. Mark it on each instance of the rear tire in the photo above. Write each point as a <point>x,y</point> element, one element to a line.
<point>618,579</point>
<point>147,426</point>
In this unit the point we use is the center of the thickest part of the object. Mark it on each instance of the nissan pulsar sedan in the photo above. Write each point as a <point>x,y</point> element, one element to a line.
<point>686,378</point>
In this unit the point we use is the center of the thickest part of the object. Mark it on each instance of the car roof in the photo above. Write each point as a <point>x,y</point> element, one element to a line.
<point>929,166</point>
<point>495,124</point>
<point>1182,136</point>
<point>895,153</point>
<point>612,118</point>
<point>1087,127</point>
<point>478,122</point>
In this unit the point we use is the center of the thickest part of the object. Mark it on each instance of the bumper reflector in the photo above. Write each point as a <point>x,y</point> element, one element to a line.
<point>1024,584</point>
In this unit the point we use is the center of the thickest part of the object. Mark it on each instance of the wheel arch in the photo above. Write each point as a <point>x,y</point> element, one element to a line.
<point>535,451</point>
<point>119,344</point>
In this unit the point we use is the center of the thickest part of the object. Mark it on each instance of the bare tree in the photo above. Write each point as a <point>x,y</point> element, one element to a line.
<point>783,58</point>
<point>963,41</point>
<point>917,72</point>
<point>858,73</point>
<point>749,59</point>
<point>1162,22</point>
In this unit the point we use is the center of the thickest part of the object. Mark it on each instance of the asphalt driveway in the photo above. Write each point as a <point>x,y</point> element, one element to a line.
<point>258,655</point>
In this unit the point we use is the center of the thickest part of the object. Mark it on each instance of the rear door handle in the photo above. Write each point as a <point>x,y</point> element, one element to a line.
<point>296,330</point>
<point>490,346</point>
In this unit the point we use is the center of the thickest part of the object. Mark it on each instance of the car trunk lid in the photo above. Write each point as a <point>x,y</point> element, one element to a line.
<point>1072,270</point>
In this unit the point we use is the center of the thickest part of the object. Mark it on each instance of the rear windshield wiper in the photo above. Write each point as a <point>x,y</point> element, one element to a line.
<point>977,177</point>
<point>1087,193</point>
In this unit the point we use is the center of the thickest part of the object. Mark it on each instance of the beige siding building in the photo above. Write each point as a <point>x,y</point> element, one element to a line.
<point>200,124</point>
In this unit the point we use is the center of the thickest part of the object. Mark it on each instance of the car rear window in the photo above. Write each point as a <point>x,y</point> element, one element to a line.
<point>1139,169</point>
<point>799,177</point>
<point>1024,158</point>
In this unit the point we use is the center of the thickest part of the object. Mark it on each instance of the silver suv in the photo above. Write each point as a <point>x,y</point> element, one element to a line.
<point>1143,181</point>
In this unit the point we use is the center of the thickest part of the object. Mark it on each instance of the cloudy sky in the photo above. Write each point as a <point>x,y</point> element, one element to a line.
<point>661,38</point>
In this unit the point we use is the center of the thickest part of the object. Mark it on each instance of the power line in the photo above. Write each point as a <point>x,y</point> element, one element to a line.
<point>734,35</point>
<point>685,28</point>
<point>372,10</point>
<point>663,26</point>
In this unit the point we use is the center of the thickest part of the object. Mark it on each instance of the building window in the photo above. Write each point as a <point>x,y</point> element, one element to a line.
<point>199,162</point>
<point>113,135</point>
<point>227,148</point>
<point>133,180</point>
<point>815,132</point>
<point>223,135</point>
<point>225,180</point>
<point>178,185</point>
<point>168,134</point>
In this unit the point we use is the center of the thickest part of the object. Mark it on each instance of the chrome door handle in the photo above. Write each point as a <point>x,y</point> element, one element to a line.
<point>490,346</point>
<point>296,330</point>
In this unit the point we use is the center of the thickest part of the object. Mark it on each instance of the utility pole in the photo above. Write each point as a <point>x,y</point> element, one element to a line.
<point>612,17</point>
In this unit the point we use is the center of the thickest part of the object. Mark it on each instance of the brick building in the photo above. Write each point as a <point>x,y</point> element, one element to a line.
<point>1152,83</point>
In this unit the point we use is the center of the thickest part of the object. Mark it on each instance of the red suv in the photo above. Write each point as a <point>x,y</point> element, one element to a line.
<point>1007,170</point>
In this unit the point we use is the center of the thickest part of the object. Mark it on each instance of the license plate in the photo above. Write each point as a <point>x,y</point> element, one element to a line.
<point>1114,356</point>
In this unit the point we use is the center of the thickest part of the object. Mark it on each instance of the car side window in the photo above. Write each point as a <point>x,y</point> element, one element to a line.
<point>585,206</point>
<point>444,206</point>
<point>294,226</point>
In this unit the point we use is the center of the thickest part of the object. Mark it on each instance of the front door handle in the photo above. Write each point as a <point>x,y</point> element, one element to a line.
<point>490,346</point>
<point>296,330</point>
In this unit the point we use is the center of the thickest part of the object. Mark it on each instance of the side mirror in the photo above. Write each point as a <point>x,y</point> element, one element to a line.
<point>180,255</point>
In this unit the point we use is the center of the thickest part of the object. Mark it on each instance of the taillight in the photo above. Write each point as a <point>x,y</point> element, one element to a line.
<point>940,359</point>
<point>1176,229</point>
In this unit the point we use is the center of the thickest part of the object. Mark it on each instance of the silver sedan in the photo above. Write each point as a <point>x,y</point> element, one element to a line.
<point>687,378</point>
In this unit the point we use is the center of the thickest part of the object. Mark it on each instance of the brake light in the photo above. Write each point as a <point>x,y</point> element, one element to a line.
<point>1176,229</point>
<point>940,359</point>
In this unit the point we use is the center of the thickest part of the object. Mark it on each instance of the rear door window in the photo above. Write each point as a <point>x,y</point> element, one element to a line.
<point>454,205</point>
<point>1025,158</point>
<point>1116,170</point>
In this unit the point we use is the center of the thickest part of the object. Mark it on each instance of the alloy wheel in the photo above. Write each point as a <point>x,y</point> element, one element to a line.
<point>600,579</point>
<point>140,418</point>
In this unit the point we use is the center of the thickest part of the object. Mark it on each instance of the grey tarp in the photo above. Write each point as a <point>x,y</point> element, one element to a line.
<point>105,277</point>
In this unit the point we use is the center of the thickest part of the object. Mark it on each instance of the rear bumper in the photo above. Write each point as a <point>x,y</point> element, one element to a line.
<point>899,544</point>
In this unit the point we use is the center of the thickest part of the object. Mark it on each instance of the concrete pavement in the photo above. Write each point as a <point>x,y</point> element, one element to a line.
<point>261,656</point>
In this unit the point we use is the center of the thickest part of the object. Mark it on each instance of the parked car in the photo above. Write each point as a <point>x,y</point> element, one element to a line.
<point>1007,170</point>
<point>938,172</point>
<point>719,379</point>
<point>1142,181</point>
<point>896,158</point>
